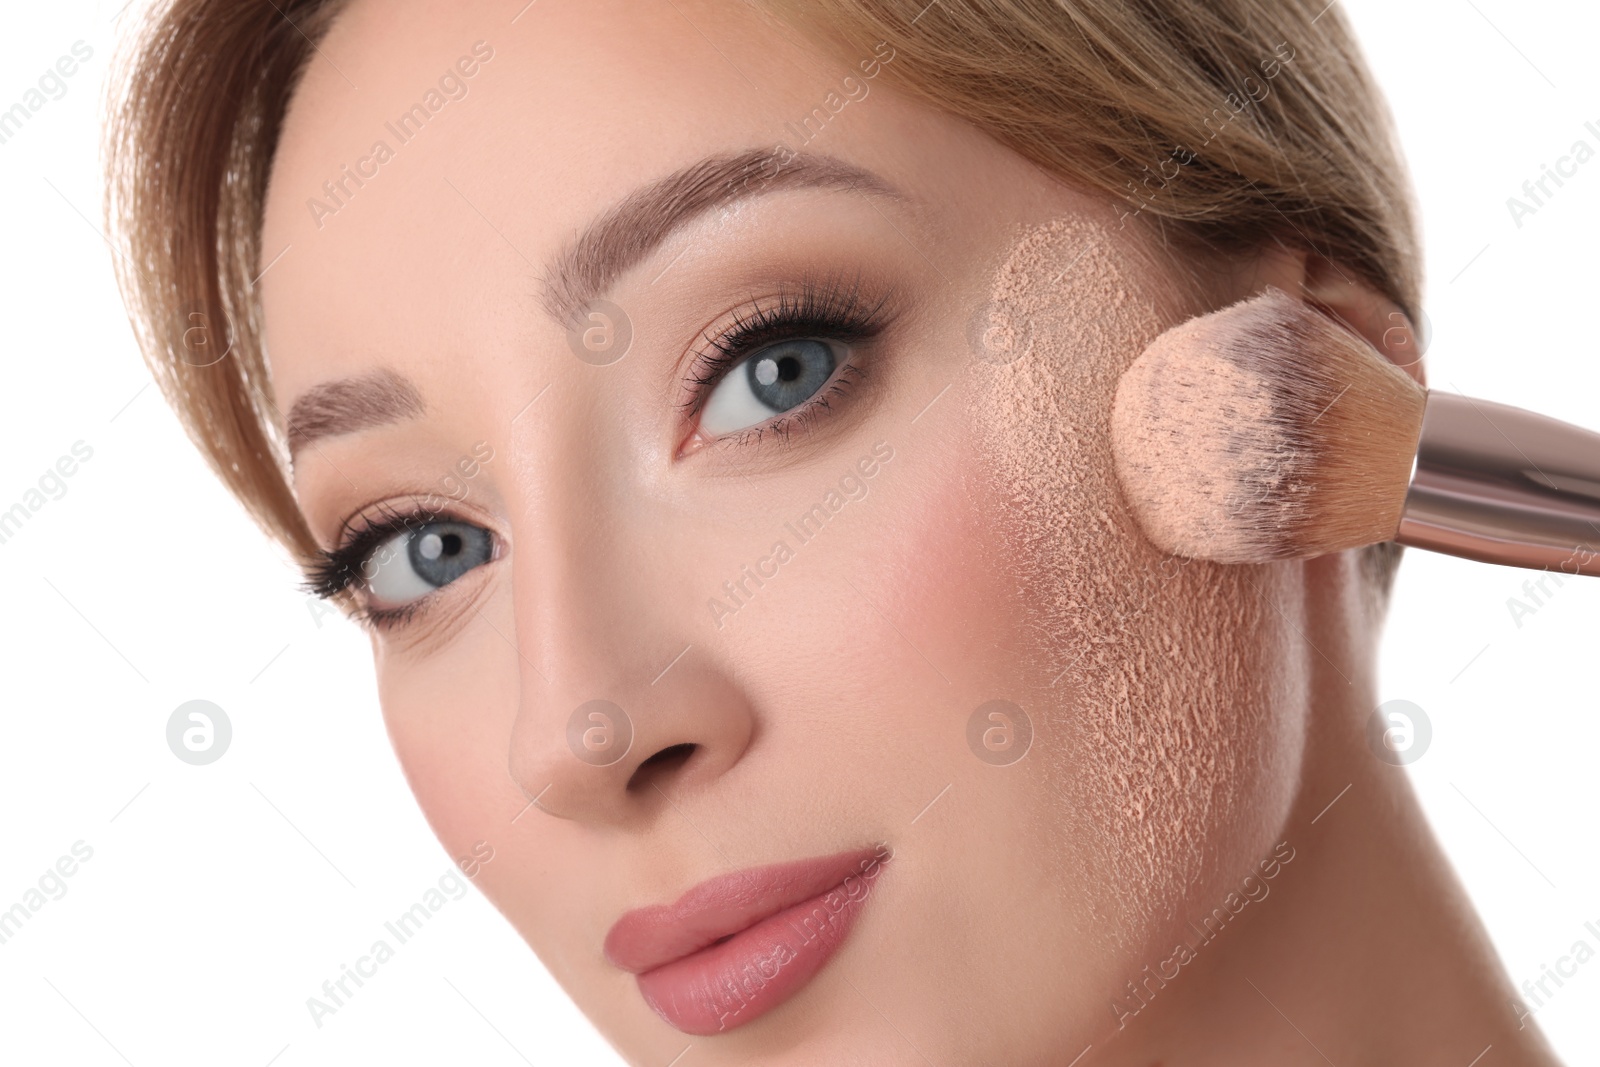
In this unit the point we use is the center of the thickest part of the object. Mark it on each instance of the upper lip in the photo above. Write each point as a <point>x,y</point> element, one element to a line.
<point>718,908</point>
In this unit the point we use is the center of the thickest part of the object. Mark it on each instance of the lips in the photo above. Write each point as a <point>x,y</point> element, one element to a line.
<point>738,945</point>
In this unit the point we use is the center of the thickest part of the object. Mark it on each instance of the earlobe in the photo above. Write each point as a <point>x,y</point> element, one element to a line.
<point>1371,314</point>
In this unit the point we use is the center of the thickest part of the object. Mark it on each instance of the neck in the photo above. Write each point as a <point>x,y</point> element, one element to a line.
<point>1365,950</point>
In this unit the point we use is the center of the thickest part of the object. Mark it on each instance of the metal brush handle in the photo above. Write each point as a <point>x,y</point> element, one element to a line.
<point>1502,485</point>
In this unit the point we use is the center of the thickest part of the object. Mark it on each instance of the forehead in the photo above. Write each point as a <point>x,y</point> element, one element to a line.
<point>439,151</point>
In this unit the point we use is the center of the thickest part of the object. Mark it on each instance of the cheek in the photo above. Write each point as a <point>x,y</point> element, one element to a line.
<point>449,716</point>
<point>1174,760</point>
<point>925,563</point>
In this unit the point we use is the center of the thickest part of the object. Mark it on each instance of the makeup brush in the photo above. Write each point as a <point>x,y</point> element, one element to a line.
<point>1268,430</point>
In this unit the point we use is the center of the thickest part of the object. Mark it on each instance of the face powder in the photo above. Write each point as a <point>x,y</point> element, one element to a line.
<point>1168,727</point>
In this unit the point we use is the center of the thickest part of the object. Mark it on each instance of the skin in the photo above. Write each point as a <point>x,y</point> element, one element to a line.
<point>830,712</point>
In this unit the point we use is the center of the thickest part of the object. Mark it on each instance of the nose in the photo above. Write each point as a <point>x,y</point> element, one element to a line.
<point>615,752</point>
<point>622,700</point>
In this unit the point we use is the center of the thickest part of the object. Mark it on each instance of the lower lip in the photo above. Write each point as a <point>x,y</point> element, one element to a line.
<point>735,982</point>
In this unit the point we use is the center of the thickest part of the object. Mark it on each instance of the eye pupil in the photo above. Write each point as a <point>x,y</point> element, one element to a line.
<point>787,374</point>
<point>434,546</point>
<point>787,368</point>
<point>775,379</point>
<point>441,552</point>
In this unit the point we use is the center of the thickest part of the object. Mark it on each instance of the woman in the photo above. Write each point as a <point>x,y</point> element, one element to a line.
<point>704,405</point>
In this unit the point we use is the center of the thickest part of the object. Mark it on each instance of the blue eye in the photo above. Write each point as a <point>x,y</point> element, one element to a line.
<point>768,382</point>
<point>412,564</point>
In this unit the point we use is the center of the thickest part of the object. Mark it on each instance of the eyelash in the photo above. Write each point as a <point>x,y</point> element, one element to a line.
<point>336,573</point>
<point>831,309</point>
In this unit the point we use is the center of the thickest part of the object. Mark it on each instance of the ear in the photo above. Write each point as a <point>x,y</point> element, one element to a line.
<point>1339,292</point>
<point>1345,600</point>
<point>1365,310</point>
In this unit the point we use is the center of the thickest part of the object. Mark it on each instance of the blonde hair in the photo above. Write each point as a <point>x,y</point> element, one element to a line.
<point>1232,123</point>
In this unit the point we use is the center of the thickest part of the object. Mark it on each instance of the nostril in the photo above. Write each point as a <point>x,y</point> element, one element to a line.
<point>662,764</point>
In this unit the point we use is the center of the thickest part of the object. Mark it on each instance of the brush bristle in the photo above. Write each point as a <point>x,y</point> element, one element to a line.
<point>1265,431</point>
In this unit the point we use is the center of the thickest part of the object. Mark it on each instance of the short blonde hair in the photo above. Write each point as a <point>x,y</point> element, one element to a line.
<point>1230,122</point>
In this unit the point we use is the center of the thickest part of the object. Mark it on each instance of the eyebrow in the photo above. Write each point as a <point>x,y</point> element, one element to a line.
<point>625,234</point>
<point>346,405</point>
<point>635,227</point>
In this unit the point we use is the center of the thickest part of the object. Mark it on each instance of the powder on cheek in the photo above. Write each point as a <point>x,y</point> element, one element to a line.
<point>1170,732</point>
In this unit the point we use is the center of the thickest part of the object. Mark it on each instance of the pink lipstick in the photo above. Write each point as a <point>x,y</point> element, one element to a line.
<point>736,946</point>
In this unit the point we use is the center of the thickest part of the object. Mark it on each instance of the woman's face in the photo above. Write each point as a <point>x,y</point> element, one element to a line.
<point>746,426</point>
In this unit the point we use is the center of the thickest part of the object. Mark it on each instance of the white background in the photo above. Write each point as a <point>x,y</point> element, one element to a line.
<point>219,898</point>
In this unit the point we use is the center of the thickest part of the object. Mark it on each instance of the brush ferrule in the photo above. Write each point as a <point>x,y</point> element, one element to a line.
<point>1502,485</point>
